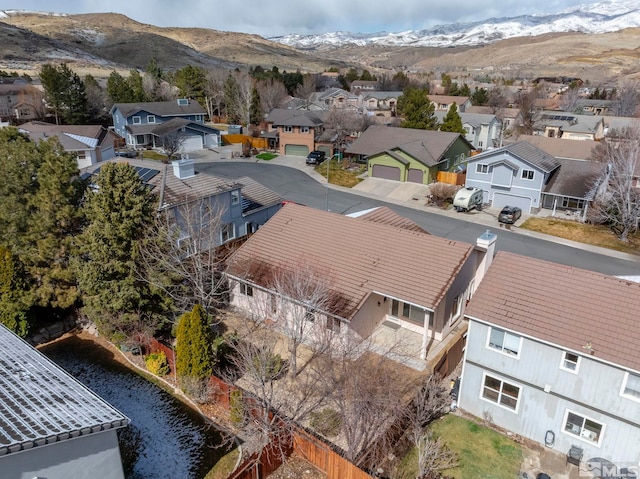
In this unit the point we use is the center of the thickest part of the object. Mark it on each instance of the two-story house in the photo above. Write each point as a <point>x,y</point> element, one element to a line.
<point>482,130</point>
<point>513,175</point>
<point>408,154</point>
<point>380,103</point>
<point>50,424</point>
<point>552,355</point>
<point>144,124</point>
<point>21,101</point>
<point>90,143</point>
<point>297,130</point>
<point>234,208</point>
<point>403,283</point>
<point>444,102</point>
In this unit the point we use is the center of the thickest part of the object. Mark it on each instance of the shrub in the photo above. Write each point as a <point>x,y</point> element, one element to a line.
<point>236,408</point>
<point>269,364</point>
<point>442,193</point>
<point>157,363</point>
<point>326,422</point>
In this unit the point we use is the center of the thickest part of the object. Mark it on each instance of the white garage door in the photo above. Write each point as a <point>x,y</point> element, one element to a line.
<point>212,140</point>
<point>192,143</point>
<point>501,200</point>
<point>386,172</point>
<point>296,150</point>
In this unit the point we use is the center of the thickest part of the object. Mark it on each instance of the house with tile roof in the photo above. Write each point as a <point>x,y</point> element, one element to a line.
<point>444,102</point>
<point>90,143</point>
<point>513,175</point>
<point>408,154</point>
<point>50,424</point>
<point>552,355</point>
<point>380,103</point>
<point>144,124</point>
<point>297,130</point>
<point>236,208</point>
<point>405,284</point>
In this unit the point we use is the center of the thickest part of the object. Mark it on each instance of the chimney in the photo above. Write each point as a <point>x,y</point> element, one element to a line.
<point>486,248</point>
<point>183,168</point>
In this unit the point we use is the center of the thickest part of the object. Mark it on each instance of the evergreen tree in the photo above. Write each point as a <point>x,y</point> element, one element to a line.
<point>15,300</point>
<point>118,88</point>
<point>480,96</point>
<point>231,91</point>
<point>416,109</point>
<point>194,351</point>
<point>65,93</point>
<point>118,212</point>
<point>137,88</point>
<point>452,121</point>
<point>191,81</point>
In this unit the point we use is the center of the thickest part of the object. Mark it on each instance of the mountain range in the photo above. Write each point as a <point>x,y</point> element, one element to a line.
<point>589,18</point>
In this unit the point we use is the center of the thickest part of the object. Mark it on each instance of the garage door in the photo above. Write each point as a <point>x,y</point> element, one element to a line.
<point>386,172</point>
<point>500,200</point>
<point>212,140</point>
<point>192,143</point>
<point>415,175</point>
<point>296,150</point>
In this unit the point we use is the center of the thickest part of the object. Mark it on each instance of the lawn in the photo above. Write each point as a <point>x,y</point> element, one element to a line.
<point>266,156</point>
<point>341,173</point>
<point>582,232</point>
<point>481,451</point>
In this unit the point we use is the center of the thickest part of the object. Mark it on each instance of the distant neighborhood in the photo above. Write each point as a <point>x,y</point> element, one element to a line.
<point>340,338</point>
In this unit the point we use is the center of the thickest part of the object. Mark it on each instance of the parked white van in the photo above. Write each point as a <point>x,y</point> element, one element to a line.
<point>467,199</point>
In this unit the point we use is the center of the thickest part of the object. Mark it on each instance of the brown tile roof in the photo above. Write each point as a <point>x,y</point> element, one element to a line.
<point>385,215</point>
<point>562,305</point>
<point>571,149</point>
<point>398,262</point>
<point>426,146</point>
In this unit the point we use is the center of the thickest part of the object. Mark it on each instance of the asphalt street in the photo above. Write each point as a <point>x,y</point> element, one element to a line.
<point>297,185</point>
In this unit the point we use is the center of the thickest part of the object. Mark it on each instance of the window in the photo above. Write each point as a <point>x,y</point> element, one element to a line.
<point>570,362</point>
<point>527,174</point>
<point>504,341</point>
<point>227,232</point>
<point>246,289</point>
<point>413,313</point>
<point>501,392</point>
<point>480,168</point>
<point>136,120</point>
<point>455,308</point>
<point>583,427</point>
<point>572,202</point>
<point>304,129</point>
<point>235,197</point>
<point>82,155</point>
<point>631,386</point>
<point>151,118</point>
<point>287,129</point>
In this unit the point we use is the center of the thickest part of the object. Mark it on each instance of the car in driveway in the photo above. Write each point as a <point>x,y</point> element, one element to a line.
<point>315,157</point>
<point>509,215</point>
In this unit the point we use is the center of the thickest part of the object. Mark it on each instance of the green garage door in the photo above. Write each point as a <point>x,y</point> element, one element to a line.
<point>296,150</point>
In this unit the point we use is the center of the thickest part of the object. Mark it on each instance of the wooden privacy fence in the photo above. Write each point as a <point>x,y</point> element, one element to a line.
<point>234,138</point>
<point>457,179</point>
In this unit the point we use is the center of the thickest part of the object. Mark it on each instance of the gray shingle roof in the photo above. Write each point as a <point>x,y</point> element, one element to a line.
<point>526,152</point>
<point>397,261</point>
<point>575,178</point>
<point>160,108</point>
<point>531,297</point>
<point>560,148</point>
<point>282,117</point>
<point>41,404</point>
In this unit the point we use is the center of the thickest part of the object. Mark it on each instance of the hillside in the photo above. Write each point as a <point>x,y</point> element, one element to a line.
<point>104,41</point>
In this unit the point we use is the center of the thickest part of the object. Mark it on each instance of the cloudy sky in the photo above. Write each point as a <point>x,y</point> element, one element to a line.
<point>280,17</point>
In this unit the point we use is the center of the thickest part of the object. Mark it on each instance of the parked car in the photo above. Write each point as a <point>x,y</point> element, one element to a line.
<point>509,214</point>
<point>468,198</point>
<point>315,157</point>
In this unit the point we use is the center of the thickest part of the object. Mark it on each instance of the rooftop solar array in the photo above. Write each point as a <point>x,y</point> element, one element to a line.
<point>249,205</point>
<point>559,117</point>
<point>145,174</point>
<point>41,404</point>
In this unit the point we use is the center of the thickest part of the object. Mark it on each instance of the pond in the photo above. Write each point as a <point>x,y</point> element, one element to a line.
<point>173,441</point>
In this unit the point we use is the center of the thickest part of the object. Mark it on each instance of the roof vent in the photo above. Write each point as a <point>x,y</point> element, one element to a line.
<point>183,101</point>
<point>183,168</point>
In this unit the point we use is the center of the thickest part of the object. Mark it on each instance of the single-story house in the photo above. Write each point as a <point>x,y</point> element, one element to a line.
<point>514,175</point>
<point>404,283</point>
<point>407,154</point>
<point>570,126</point>
<point>552,356</point>
<point>90,143</point>
<point>50,424</point>
<point>144,124</point>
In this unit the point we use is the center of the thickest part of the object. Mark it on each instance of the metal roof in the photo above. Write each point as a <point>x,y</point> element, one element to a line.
<point>41,404</point>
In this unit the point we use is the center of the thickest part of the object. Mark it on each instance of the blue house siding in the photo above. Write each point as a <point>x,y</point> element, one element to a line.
<point>548,392</point>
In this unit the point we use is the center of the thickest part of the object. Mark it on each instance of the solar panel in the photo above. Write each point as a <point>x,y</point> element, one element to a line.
<point>248,205</point>
<point>146,174</point>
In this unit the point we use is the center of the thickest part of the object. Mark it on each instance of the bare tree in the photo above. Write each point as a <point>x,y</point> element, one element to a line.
<point>617,198</point>
<point>345,123</point>
<point>306,89</point>
<point>528,111</point>
<point>181,256</point>
<point>172,143</point>
<point>245,94</point>
<point>627,99</point>
<point>434,457</point>
<point>272,94</point>
<point>497,99</point>
<point>214,92</point>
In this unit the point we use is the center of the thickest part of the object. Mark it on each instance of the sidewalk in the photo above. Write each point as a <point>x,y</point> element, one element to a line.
<point>406,194</point>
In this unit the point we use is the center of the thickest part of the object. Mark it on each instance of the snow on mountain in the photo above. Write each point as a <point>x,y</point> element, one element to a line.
<point>603,17</point>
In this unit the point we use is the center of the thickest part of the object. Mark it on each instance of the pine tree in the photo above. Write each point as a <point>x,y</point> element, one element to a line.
<point>194,352</point>
<point>15,300</point>
<point>118,212</point>
<point>416,109</point>
<point>65,93</point>
<point>452,121</point>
